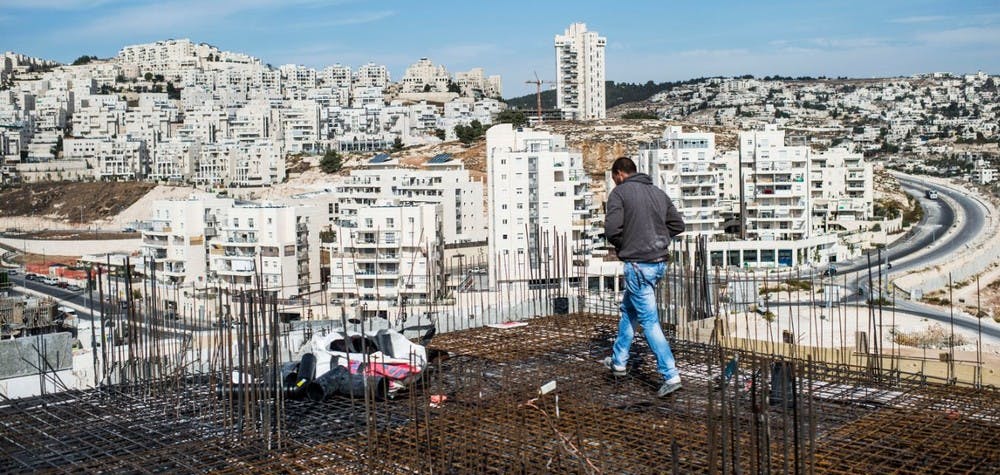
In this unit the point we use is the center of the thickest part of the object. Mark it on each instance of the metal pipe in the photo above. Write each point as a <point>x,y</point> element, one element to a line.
<point>339,380</point>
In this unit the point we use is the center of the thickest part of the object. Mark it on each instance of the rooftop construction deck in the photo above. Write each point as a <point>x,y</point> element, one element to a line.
<point>776,414</point>
<point>772,383</point>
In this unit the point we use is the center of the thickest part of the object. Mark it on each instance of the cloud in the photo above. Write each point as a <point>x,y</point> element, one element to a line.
<point>356,19</point>
<point>53,4</point>
<point>984,35</point>
<point>920,19</point>
<point>813,44</point>
<point>176,16</point>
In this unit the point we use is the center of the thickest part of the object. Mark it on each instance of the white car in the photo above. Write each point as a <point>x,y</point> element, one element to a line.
<point>50,281</point>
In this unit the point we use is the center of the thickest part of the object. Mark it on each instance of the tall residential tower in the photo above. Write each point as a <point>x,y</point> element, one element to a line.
<point>580,73</point>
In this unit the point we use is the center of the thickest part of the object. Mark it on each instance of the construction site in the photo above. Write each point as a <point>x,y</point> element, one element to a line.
<point>520,390</point>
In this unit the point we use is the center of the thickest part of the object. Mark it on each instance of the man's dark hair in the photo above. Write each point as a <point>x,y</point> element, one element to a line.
<point>623,164</point>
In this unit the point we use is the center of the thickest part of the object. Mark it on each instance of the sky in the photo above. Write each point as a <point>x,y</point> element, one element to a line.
<point>656,40</point>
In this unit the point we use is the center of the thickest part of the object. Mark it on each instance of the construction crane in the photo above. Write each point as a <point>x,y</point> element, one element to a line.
<point>538,92</point>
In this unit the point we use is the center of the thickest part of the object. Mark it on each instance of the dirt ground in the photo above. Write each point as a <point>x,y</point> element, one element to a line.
<point>70,201</point>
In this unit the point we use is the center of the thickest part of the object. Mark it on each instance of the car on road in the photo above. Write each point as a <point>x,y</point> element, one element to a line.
<point>62,284</point>
<point>74,288</point>
<point>11,271</point>
<point>30,277</point>
<point>49,281</point>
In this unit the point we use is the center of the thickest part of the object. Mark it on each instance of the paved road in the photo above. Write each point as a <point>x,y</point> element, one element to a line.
<point>81,299</point>
<point>938,217</point>
<point>971,225</point>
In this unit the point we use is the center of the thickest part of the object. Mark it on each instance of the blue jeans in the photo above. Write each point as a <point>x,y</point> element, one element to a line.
<point>639,308</point>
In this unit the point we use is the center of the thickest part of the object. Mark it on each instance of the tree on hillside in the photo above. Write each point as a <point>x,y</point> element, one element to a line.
<point>513,117</point>
<point>331,162</point>
<point>397,144</point>
<point>453,87</point>
<point>468,134</point>
<point>148,76</point>
<point>440,133</point>
<point>84,60</point>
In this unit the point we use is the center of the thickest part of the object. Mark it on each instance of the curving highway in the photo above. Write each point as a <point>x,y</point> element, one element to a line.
<point>928,234</point>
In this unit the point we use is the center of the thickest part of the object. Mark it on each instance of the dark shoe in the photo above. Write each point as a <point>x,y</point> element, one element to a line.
<point>615,370</point>
<point>668,388</point>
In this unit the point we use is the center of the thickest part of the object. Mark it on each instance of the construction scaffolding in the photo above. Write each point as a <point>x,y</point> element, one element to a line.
<point>172,397</point>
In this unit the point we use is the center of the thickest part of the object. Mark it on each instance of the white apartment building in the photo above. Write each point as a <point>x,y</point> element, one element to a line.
<point>841,190</point>
<point>231,163</point>
<point>205,241</point>
<point>682,165</point>
<point>300,126</point>
<point>982,173</point>
<point>425,76</point>
<point>475,83</point>
<point>337,75</point>
<point>580,72</point>
<point>443,181</point>
<point>297,77</point>
<point>372,75</point>
<point>172,57</point>
<point>98,116</point>
<point>388,259</point>
<point>124,158</point>
<point>794,200</point>
<point>539,200</point>
<point>776,193</point>
<point>266,245</point>
<point>175,239</point>
<point>174,160</point>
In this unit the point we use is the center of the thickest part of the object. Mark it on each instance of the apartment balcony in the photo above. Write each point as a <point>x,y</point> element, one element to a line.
<point>240,241</point>
<point>855,186</point>
<point>234,273</point>
<point>374,257</point>
<point>173,271</point>
<point>158,229</point>
<point>157,243</point>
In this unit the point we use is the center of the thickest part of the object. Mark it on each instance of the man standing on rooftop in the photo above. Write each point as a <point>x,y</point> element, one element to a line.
<point>641,222</point>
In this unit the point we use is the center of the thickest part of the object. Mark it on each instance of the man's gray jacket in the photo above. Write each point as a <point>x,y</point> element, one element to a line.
<point>641,220</point>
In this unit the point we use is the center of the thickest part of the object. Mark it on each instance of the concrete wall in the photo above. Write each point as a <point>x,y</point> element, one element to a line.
<point>23,359</point>
<point>73,248</point>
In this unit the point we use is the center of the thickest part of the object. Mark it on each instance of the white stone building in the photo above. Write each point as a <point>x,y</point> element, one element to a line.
<point>580,72</point>
<point>841,194</point>
<point>175,239</point>
<point>272,243</point>
<point>983,173</point>
<point>387,259</point>
<point>372,75</point>
<point>122,158</point>
<point>424,76</point>
<point>683,165</point>
<point>541,208</point>
<point>475,83</point>
<point>776,193</point>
